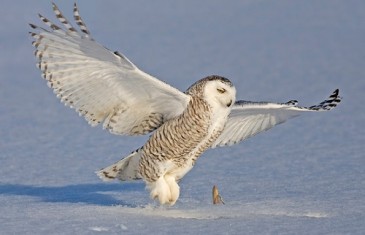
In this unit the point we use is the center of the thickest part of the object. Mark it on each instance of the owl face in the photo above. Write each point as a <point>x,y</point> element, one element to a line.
<point>220,93</point>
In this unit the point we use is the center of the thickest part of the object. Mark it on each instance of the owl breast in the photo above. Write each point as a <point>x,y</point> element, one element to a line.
<point>174,147</point>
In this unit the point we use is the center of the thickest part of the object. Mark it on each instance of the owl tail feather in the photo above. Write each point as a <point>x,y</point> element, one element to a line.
<point>125,169</point>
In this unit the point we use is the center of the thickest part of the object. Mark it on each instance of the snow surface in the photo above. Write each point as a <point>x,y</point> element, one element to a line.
<point>304,177</point>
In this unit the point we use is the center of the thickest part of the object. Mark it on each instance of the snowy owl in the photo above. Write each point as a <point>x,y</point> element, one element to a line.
<point>105,87</point>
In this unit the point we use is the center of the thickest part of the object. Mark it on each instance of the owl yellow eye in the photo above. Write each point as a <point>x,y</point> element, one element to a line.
<point>221,90</point>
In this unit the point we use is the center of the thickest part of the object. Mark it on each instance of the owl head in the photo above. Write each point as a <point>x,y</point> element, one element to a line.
<point>217,91</point>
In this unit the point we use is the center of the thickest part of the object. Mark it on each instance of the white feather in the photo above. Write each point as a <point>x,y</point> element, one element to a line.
<point>250,118</point>
<point>101,85</point>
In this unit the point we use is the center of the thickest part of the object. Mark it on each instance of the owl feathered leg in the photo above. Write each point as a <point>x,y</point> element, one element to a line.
<point>125,169</point>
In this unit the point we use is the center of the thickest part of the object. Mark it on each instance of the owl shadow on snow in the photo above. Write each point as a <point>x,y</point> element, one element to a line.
<point>94,194</point>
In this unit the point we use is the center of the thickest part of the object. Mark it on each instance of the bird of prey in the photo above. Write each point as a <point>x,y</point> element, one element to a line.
<point>105,87</point>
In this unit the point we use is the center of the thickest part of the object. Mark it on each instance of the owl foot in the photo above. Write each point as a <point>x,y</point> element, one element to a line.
<point>165,190</point>
<point>174,189</point>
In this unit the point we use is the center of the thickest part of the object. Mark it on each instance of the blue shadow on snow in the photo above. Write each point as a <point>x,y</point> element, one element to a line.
<point>80,193</point>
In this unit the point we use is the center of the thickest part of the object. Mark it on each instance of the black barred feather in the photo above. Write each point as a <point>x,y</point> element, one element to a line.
<point>80,22</point>
<point>333,100</point>
<point>49,23</point>
<point>63,19</point>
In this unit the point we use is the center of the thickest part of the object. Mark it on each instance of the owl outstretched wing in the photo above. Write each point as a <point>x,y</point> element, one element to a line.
<point>101,85</point>
<point>250,118</point>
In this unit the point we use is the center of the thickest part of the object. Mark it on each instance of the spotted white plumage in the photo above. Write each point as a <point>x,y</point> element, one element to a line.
<point>105,87</point>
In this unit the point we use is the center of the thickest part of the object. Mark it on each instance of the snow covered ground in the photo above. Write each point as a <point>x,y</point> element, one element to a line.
<point>304,177</point>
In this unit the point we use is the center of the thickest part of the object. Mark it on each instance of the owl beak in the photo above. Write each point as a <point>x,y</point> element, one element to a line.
<point>229,103</point>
